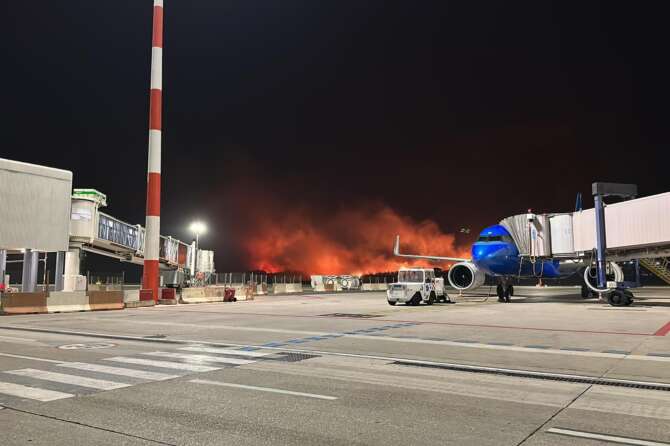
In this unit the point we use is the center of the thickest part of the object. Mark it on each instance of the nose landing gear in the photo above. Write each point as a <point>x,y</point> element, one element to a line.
<point>504,291</point>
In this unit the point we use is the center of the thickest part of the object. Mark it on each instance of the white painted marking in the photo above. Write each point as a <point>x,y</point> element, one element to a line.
<point>395,339</point>
<point>75,380</point>
<point>158,3</point>
<point>164,364</point>
<point>495,347</point>
<point>32,358</point>
<point>227,351</point>
<point>32,393</point>
<point>263,389</point>
<point>10,338</point>
<point>603,437</point>
<point>140,374</point>
<point>200,358</point>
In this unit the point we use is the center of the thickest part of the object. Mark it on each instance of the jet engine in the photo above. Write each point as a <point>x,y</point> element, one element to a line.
<point>465,276</point>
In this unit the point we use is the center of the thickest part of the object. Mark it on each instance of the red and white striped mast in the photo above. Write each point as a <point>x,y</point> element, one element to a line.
<point>153,224</point>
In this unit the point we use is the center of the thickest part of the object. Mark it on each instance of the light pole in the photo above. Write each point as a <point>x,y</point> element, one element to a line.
<point>197,227</point>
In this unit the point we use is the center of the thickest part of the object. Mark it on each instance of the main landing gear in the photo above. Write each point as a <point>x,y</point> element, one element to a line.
<point>586,292</point>
<point>505,291</point>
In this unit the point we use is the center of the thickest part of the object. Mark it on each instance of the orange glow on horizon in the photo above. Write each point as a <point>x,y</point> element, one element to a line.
<point>351,241</point>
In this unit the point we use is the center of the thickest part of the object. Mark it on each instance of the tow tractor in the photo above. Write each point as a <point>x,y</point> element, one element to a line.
<point>416,285</point>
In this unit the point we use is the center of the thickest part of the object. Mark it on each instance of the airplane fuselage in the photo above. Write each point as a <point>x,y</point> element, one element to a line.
<point>496,254</point>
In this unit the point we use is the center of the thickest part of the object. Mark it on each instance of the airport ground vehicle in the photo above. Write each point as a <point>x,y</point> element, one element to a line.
<point>416,285</point>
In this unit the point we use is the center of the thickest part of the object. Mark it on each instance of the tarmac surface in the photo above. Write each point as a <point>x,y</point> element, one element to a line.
<point>549,368</point>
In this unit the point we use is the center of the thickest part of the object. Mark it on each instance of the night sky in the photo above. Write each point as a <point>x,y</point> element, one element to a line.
<point>459,113</point>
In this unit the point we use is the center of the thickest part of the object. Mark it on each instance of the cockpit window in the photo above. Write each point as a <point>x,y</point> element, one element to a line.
<point>495,238</point>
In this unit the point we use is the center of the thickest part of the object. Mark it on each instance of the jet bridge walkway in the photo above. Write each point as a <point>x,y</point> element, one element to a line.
<point>95,231</point>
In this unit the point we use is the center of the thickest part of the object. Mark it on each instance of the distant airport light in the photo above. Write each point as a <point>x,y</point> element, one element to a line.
<point>198,227</point>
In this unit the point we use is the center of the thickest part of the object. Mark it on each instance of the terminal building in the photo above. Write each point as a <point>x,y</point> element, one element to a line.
<point>42,215</point>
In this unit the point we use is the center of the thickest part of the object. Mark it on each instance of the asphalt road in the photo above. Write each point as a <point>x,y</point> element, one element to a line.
<point>342,369</point>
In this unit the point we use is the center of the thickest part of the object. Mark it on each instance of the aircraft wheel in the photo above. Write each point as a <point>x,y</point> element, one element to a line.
<point>391,302</point>
<point>619,298</point>
<point>586,292</point>
<point>500,291</point>
<point>431,298</point>
<point>507,294</point>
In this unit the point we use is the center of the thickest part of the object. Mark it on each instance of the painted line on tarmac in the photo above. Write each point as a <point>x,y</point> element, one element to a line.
<point>32,358</point>
<point>460,366</point>
<point>32,393</point>
<point>456,324</point>
<point>664,330</point>
<point>263,389</point>
<point>281,345</point>
<point>109,370</point>
<point>605,437</point>
<point>225,351</point>
<point>75,380</point>
<point>164,364</point>
<point>198,359</point>
<point>10,339</point>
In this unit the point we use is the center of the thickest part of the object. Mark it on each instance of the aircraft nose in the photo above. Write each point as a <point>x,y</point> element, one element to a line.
<point>482,252</point>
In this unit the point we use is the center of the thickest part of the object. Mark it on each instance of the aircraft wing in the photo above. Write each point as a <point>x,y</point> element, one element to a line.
<point>396,252</point>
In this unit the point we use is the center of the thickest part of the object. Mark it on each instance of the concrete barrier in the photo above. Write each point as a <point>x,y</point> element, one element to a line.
<point>279,288</point>
<point>205,295</point>
<point>105,300</point>
<point>131,299</point>
<point>294,288</point>
<point>23,303</point>
<point>67,301</point>
<point>167,296</point>
<point>242,292</point>
<point>199,295</point>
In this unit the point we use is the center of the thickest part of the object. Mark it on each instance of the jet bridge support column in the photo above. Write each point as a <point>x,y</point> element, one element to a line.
<point>3,269</point>
<point>59,280</point>
<point>601,242</point>
<point>618,296</point>
<point>29,275</point>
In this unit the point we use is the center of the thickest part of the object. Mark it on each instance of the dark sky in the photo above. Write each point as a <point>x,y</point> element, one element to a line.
<point>458,112</point>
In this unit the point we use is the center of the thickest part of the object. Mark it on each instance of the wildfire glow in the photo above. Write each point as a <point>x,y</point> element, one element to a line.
<point>348,241</point>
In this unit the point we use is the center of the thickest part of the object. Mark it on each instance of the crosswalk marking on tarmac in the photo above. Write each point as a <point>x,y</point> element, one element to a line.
<point>226,351</point>
<point>190,359</point>
<point>164,364</point>
<point>32,392</point>
<point>75,380</point>
<point>200,358</point>
<point>132,373</point>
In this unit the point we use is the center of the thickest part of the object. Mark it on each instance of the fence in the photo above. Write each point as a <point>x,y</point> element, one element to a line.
<point>105,281</point>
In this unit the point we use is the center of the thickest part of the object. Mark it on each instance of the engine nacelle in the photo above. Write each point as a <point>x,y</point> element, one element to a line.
<point>465,276</point>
